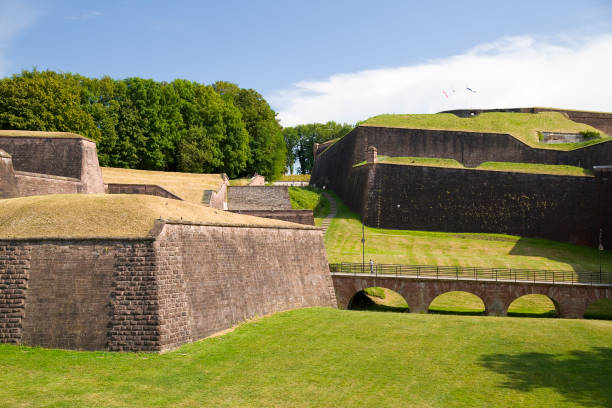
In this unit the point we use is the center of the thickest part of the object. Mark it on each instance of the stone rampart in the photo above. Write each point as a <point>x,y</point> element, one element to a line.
<point>148,189</point>
<point>298,216</point>
<point>562,208</point>
<point>599,120</point>
<point>182,283</point>
<point>73,158</point>
<point>258,198</point>
<point>218,198</point>
<point>30,184</point>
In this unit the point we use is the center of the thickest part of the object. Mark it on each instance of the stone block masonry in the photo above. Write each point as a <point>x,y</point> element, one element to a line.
<point>52,165</point>
<point>182,283</point>
<point>258,198</point>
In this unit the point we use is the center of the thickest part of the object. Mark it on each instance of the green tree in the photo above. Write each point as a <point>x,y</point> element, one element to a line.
<point>45,101</point>
<point>300,140</point>
<point>266,142</point>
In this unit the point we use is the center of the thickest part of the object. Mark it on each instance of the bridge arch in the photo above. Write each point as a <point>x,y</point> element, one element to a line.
<point>378,299</point>
<point>457,302</point>
<point>533,305</point>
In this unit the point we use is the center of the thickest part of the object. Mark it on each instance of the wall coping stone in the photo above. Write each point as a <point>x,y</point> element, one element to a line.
<point>47,176</point>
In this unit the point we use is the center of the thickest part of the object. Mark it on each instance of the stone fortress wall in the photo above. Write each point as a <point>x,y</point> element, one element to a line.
<point>180,284</point>
<point>51,165</point>
<point>564,208</point>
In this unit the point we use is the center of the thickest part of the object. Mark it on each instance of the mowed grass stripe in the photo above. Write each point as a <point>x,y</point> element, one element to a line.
<point>323,357</point>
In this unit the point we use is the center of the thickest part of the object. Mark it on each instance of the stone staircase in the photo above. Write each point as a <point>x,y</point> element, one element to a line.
<point>332,212</point>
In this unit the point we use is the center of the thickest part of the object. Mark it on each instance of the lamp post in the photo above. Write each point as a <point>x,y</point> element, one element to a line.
<point>362,244</point>
<point>600,250</point>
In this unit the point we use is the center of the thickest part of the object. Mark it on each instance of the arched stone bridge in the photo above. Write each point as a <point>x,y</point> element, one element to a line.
<point>570,299</point>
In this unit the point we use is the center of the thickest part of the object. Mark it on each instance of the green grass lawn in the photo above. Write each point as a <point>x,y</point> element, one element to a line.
<point>523,126</point>
<point>309,198</point>
<point>294,177</point>
<point>343,244</point>
<point>333,358</point>
<point>555,169</point>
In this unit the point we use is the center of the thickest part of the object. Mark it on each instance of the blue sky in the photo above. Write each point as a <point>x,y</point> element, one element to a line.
<point>321,60</point>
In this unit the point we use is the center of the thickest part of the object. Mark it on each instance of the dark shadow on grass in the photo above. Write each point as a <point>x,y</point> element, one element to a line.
<point>556,251</point>
<point>550,314</point>
<point>456,312</point>
<point>581,377</point>
<point>363,302</point>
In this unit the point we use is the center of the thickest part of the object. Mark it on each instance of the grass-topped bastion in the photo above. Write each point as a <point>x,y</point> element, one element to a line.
<point>523,126</point>
<point>188,186</point>
<point>532,168</point>
<point>145,273</point>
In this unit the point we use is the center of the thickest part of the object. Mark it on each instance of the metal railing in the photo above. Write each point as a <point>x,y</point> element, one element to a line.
<point>475,273</point>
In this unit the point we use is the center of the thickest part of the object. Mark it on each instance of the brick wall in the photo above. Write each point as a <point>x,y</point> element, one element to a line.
<point>230,274</point>
<point>562,208</point>
<point>134,300</point>
<point>74,159</point>
<point>14,266</point>
<point>258,198</point>
<point>298,216</point>
<point>56,156</point>
<point>154,294</point>
<point>69,286</point>
<point>29,184</point>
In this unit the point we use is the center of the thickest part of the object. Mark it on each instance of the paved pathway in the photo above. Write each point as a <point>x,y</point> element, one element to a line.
<point>332,212</point>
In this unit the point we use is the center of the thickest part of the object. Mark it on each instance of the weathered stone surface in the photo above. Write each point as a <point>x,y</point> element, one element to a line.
<point>571,301</point>
<point>564,208</point>
<point>298,216</point>
<point>157,293</point>
<point>8,181</point>
<point>258,198</point>
<point>37,159</point>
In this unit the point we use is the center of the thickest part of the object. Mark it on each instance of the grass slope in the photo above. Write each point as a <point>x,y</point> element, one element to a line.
<point>343,244</point>
<point>554,169</point>
<point>309,198</point>
<point>523,126</point>
<point>332,358</point>
<point>107,215</point>
<point>188,186</point>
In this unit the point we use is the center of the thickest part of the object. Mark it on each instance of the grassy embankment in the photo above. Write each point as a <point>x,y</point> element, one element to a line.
<point>324,357</point>
<point>554,169</point>
<point>295,177</point>
<point>188,186</point>
<point>523,126</point>
<point>343,244</point>
<point>309,198</point>
<point>107,215</point>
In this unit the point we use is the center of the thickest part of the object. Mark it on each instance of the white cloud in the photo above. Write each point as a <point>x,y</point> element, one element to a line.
<point>511,72</point>
<point>85,16</point>
<point>14,18</point>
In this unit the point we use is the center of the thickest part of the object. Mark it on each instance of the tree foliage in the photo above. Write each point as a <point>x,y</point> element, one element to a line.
<point>300,141</point>
<point>144,124</point>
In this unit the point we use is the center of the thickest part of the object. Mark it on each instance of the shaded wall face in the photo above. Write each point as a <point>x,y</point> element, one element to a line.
<point>298,216</point>
<point>258,198</point>
<point>30,185</point>
<point>561,208</point>
<point>68,292</point>
<point>56,156</point>
<point>230,274</point>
